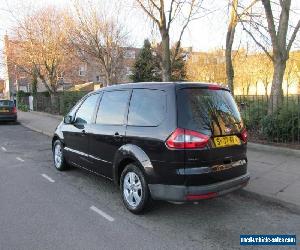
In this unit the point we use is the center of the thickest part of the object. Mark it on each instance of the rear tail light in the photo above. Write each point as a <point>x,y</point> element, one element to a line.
<point>244,135</point>
<point>14,110</point>
<point>183,138</point>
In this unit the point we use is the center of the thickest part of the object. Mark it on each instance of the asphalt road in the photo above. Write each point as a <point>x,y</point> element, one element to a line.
<point>41,208</point>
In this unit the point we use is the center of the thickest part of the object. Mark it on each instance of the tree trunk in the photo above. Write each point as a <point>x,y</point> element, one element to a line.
<point>266,89</point>
<point>107,79</point>
<point>228,58</point>
<point>54,101</point>
<point>166,61</point>
<point>248,89</point>
<point>276,97</point>
<point>229,42</point>
<point>256,92</point>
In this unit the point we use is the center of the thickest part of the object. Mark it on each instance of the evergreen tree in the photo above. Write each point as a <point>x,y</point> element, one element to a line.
<point>146,66</point>
<point>178,70</point>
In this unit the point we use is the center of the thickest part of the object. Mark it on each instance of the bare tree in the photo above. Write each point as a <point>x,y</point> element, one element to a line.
<point>99,38</point>
<point>39,47</point>
<point>290,75</point>
<point>274,32</point>
<point>265,71</point>
<point>234,19</point>
<point>163,16</point>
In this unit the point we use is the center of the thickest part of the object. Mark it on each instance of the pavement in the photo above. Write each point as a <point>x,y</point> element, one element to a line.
<point>275,172</point>
<point>42,208</point>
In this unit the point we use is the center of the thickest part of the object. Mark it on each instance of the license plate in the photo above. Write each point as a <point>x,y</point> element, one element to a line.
<point>227,141</point>
<point>4,110</point>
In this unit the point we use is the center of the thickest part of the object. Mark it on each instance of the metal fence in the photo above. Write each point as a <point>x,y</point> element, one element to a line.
<point>280,126</point>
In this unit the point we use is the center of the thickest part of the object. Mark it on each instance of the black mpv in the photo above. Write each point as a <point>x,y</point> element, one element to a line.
<point>157,141</point>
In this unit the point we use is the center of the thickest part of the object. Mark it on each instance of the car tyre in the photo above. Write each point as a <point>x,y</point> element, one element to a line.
<point>58,156</point>
<point>134,189</point>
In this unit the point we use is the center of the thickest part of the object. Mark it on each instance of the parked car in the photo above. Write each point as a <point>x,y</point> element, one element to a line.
<point>178,142</point>
<point>8,111</point>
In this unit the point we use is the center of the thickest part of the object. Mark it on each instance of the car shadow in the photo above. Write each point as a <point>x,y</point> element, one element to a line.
<point>4,123</point>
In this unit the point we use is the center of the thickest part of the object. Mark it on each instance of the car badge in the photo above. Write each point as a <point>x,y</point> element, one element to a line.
<point>227,130</point>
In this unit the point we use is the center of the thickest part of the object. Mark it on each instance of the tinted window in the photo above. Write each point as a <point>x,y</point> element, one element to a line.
<point>6,103</point>
<point>113,107</point>
<point>147,107</point>
<point>85,112</point>
<point>209,111</point>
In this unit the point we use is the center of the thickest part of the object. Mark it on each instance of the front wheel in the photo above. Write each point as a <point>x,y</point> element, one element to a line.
<point>58,156</point>
<point>134,189</point>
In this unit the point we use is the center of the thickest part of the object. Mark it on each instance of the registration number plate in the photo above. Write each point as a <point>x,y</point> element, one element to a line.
<point>4,110</point>
<point>227,141</point>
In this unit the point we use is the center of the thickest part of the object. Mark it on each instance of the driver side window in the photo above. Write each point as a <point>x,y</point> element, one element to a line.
<point>85,112</point>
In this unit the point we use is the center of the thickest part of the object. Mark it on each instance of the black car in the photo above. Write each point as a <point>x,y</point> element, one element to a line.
<point>161,141</point>
<point>8,111</point>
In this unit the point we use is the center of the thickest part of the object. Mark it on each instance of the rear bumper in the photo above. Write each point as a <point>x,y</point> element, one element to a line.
<point>180,193</point>
<point>8,117</point>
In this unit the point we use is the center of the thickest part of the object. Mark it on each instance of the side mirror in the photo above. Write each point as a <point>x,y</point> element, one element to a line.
<point>68,119</point>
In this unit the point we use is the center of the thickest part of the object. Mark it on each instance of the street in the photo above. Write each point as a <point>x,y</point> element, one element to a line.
<point>41,208</point>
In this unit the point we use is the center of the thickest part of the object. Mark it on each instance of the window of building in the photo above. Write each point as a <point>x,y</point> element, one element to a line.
<point>82,70</point>
<point>129,54</point>
<point>147,107</point>
<point>113,107</point>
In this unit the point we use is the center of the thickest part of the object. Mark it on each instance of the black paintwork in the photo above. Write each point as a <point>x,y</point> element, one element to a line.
<point>106,149</point>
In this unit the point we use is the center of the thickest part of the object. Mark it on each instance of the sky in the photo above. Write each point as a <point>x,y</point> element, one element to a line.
<point>204,34</point>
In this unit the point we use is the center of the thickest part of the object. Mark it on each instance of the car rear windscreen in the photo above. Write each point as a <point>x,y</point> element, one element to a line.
<point>212,112</point>
<point>6,103</point>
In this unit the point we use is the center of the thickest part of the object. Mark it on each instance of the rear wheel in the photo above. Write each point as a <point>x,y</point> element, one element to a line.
<point>134,189</point>
<point>58,156</point>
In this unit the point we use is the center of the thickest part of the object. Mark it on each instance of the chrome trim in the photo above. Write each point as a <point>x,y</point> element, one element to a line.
<point>212,169</point>
<point>76,151</point>
<point>84,154</point>
<point>98,159</point>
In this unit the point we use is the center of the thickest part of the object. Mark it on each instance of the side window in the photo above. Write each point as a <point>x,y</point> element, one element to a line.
<point>113,107</point>
<point>85,112</point>
<point>147,107</point>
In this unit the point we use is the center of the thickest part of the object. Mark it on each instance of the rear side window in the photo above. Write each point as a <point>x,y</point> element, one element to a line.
<point>113,107</point>
<point>208,111</point>
<point>147,107</point>
<point>6,103</point>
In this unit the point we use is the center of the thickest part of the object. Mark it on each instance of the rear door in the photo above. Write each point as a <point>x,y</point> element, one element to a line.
<point>212,112</point>
<point>75,134</point>
<point>107,134</point>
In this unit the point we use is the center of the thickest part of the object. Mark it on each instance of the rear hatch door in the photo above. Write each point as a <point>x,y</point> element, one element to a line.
<point>6,107</point>
<point>212,112</point>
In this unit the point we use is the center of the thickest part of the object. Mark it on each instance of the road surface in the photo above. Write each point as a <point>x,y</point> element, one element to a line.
<point>41,208</point>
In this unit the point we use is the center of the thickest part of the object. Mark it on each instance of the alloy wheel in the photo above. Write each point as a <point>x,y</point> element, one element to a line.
<point>132,189</point>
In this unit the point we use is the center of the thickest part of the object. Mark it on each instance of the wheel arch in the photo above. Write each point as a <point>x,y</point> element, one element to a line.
<point>127,154</point>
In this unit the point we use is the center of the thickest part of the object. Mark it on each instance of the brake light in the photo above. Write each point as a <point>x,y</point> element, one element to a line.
<point>214,87</point>
<point>244,135</point>
<point>14,110</point>
<point>183,138</point>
